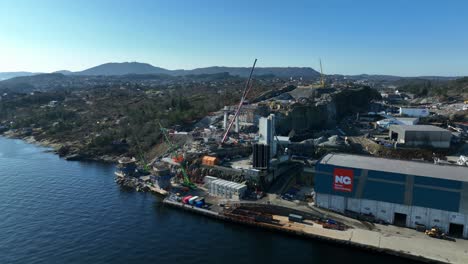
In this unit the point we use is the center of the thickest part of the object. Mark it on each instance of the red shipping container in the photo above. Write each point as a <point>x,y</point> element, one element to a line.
<point>186,199</point>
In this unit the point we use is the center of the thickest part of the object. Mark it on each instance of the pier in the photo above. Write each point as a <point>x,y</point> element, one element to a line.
<point>390,240</point>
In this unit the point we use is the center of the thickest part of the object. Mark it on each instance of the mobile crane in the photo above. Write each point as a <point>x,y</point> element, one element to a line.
<point>322,77</point>
<point>247,88</point>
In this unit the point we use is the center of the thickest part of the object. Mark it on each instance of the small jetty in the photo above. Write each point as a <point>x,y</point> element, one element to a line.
<point>157,179</point>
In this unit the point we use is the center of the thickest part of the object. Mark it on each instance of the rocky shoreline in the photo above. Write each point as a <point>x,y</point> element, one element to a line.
<point>66,150</point>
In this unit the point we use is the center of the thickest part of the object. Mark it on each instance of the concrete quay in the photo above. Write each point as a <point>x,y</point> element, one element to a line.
<point>402,242</point>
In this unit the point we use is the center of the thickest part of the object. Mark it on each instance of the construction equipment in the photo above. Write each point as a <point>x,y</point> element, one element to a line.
<point>322,77</point>
<point>435,232</point>
<point>332,224</point>
<point>247,88</point>
<point>181,162</point>
<point>141,156</point>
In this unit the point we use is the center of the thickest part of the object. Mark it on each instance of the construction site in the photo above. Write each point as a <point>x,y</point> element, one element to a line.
<point>331,163</point>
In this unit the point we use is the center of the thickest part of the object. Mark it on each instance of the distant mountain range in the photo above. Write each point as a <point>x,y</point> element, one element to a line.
<point>110,69</point>
<point>9,75</point>
<point>125,68</point>
<point>145,68</point>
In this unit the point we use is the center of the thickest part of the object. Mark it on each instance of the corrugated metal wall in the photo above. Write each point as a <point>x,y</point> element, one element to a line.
<point>415,215</point>
<point>436,199</point>
<point>324,180</point>
<point>394,188</point>
<point>383,191</point>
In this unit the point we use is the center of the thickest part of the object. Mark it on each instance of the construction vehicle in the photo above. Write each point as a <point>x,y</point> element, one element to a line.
<point>331,224</point>
<point>435,232</point>
<point>178,159</point>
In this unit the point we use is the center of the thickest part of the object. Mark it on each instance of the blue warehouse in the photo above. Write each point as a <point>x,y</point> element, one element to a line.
<point>405,193</point>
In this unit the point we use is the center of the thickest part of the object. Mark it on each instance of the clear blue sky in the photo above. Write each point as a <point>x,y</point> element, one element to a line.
<point>396,37</point>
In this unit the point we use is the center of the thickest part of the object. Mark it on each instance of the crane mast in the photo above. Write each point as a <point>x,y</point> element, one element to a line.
<point>247,88</point>
<point>172,148</point>
<point>322,78</point>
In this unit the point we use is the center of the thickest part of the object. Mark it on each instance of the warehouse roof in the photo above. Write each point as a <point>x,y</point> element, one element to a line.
<point>407,118</point>
<point>448,172</point>
<point>231,184</point>
<point>418,128</point>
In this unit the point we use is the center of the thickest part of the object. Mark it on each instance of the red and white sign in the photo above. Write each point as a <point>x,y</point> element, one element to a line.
<point>343,180</point>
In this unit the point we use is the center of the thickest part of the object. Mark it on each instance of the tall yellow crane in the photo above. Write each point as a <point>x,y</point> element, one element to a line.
<point>322,77</point>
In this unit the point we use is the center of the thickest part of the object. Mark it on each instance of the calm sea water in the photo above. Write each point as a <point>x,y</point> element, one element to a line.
<point>55,211</point>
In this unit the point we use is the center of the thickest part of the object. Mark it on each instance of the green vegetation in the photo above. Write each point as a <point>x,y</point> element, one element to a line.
<point>117,119</point>
<point>442,89</point>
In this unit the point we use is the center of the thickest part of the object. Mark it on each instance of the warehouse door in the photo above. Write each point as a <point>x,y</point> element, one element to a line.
<point>399,219</point>
<point>337,203</point>
<point>456,230</point>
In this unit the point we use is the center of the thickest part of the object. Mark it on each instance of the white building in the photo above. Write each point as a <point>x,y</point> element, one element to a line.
<point>225,189</point>
<point>414,112</point>
<point>404,193</point>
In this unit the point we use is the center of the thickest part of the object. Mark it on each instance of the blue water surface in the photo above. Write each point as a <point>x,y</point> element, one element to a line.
<point>57,211</point>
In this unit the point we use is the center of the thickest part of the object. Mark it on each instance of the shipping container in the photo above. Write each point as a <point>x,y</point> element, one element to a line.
<point>201,199</point>
<point>185,200</point>
<point>210,161</point>
<point>192,200</point>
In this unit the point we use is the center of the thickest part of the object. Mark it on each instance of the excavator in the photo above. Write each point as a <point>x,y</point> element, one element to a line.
<point>436,232</point>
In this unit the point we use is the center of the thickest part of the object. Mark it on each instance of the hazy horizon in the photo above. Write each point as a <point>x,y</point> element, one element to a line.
<point>417,38</point>
<point>317,69</point>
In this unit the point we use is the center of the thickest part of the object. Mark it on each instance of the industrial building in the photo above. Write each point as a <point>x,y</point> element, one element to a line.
<point>404,193</point>
<point>161,176</point>
<point>408,121</point>
<point>267,133</point>
<point>414,112</point>
<point>420,136</point>
<point>225,189</point>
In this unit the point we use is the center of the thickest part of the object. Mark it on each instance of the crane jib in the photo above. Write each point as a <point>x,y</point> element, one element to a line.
<point>247,88</point>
